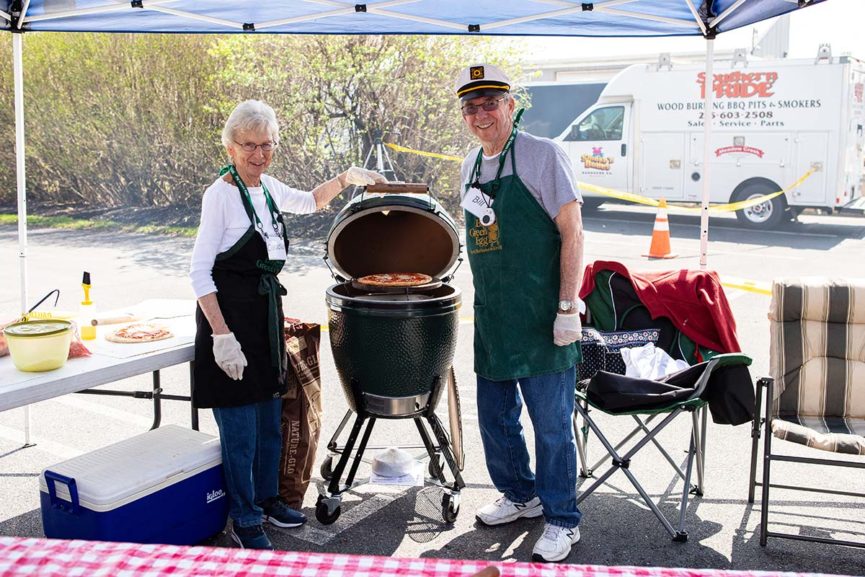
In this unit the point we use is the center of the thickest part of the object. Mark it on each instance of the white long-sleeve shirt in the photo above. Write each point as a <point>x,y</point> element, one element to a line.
<point>224,221</point>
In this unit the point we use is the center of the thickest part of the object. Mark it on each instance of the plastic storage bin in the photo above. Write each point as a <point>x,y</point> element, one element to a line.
<point>163,486</point>
<point>38,346</point>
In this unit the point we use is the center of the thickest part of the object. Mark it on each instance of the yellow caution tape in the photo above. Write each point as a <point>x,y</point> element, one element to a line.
<point>399,148</point>
<point>728,207</point>
<point>745,285</point>
<point>734,206</point>
<point>630,197</point>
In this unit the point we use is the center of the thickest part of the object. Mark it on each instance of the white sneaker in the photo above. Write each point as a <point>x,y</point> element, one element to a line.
<point>504,511</point>
<point>555,544</point>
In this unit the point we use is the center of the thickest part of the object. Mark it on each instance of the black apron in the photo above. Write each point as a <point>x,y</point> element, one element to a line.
<point>249,296</point>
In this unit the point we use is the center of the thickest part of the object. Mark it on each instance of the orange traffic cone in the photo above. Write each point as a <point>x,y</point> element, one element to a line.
<point>660,247</point>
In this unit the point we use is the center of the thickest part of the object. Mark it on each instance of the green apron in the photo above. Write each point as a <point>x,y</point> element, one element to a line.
<point>516,269</point>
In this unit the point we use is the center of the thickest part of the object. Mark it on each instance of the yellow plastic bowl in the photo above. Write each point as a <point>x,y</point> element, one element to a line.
<point>38,346</point>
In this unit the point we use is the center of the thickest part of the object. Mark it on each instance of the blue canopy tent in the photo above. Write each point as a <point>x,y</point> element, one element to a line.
<point>510,18</point>
<point>604,18</point>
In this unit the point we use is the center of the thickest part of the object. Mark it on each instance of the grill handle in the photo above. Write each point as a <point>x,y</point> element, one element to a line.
<point>398,188</point>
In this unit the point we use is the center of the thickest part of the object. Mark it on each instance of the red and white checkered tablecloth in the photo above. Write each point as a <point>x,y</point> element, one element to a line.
<point>55,558</point>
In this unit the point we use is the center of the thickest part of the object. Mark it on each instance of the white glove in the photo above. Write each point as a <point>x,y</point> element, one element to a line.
<point>362,177</point>
<point>229,357</point>
<point>567,329</point>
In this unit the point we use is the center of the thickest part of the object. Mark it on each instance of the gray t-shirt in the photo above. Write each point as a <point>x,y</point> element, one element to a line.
<point>542,165</point>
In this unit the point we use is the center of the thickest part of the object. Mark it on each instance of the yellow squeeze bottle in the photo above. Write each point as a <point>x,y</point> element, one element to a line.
<point>88,331</point>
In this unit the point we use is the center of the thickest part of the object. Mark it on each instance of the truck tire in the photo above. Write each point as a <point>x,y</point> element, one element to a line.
<point>767,214</point>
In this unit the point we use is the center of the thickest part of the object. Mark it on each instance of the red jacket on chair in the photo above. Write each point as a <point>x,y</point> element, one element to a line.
<point>692,299</point>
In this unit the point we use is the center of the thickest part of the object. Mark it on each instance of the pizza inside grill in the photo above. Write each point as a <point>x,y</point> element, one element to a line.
<point>396,279</point>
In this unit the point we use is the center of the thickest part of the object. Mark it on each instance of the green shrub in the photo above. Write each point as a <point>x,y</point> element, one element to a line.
<point>134,120</point>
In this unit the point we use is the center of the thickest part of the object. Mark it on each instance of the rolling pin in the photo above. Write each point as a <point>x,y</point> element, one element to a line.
<point>127,318</point>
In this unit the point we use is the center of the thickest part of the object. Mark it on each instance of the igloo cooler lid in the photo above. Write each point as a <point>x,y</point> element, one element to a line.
<point>111,476</point>
<point>393,227</point>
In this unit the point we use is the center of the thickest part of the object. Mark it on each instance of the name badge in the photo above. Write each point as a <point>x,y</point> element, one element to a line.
<point>477,203</point>
<point>275,247</point>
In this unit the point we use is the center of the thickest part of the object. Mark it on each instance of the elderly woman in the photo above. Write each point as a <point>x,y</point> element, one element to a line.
<point>240,360</point>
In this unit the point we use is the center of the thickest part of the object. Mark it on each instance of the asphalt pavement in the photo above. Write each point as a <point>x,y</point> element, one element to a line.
<point>617,529</point>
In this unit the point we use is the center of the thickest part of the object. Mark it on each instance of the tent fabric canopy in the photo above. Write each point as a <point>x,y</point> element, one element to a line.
<point>606,18</point>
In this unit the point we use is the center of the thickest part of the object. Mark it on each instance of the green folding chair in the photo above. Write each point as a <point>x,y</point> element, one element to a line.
<point>684,392</point>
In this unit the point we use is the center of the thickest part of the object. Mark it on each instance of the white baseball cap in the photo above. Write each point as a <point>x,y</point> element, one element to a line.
<point>481,80</point>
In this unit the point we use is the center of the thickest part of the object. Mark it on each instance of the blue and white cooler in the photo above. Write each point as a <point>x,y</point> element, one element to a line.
<point>163,486</point>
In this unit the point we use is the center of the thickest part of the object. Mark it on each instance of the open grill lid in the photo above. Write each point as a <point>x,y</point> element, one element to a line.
<point>393,227</point>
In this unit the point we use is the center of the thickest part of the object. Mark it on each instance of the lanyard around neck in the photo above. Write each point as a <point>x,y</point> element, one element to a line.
<point>250,209</point>
<point>476,171</point>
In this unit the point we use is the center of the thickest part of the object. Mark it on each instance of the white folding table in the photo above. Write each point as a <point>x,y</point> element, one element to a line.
<point>109,362</point>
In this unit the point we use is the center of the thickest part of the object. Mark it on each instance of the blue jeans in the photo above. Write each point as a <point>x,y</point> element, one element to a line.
<point>550,402</point>
<point>251,447</point>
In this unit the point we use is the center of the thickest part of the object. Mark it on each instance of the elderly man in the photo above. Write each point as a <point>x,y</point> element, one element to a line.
<point>524,238</point>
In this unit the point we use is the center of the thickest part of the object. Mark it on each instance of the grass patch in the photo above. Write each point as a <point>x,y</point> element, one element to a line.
<point>70,223</point>
<point>172,230</point>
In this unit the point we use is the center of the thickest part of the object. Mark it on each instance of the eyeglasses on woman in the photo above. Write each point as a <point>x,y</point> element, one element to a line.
<point>252,147</point>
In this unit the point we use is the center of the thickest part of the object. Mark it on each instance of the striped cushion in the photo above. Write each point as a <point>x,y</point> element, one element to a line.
<point>817,357</point>
<point>817,433</point>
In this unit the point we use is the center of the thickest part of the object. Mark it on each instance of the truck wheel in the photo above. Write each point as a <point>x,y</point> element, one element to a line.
<point>767,214</point>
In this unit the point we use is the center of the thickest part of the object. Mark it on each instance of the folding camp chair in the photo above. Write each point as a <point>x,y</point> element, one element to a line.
<point>602,351</point>
<point>683,392</point>
<point>616,310</point>
<point>816,396</point>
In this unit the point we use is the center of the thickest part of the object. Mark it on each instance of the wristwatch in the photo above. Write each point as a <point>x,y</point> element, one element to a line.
<point>566,306</point>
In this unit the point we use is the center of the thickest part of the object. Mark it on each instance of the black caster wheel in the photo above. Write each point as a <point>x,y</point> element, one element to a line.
<point>326,468</point>
<point>450,508</point>
<point>327,510</point>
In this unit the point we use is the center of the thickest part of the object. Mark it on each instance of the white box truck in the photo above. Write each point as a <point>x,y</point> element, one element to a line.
<point>774,121</point>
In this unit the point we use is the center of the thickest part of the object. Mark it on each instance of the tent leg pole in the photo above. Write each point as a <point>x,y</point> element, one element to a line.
<point>27,442</point>
<point>708,97</point>
<point>17,46</point>
<point>21,183</point>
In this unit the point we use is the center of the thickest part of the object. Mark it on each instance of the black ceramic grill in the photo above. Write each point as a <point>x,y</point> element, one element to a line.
<point>393,348</point>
